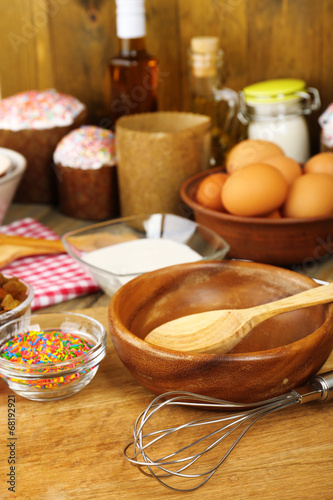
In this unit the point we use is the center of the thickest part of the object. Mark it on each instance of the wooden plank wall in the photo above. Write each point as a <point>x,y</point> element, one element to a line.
<point>65,44</point>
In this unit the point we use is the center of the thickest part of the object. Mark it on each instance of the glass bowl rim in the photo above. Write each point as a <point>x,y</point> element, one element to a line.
<point>28,300</point>
<point>65,366</point>
<point>18,163</point>
<point>217,254</point>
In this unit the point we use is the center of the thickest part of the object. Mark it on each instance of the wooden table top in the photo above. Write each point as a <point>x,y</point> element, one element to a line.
<point>73,448</point>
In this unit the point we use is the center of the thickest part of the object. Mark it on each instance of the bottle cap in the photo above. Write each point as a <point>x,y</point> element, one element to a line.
<point>131,18</point>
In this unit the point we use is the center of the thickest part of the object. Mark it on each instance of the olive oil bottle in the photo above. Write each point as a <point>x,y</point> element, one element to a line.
<point>210,97</point>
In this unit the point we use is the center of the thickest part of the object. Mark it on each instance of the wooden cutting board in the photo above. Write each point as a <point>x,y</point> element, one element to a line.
<point>73,449</point>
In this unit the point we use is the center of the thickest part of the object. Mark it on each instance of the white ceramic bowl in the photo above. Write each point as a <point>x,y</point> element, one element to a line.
<point>148,242</point>
<point>10,181</point>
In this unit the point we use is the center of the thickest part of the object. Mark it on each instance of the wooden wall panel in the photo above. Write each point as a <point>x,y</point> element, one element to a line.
<point>326,53</point>
<point>283,34</point>
<point>41,12</point>
<point>83,39</point>
<point>224,19</point>
<point>163,42</point>
<point>66,44</point>
<point>285,42</point>
<point>18,68</point>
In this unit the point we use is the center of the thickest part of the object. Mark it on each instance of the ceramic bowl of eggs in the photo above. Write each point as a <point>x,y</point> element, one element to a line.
<point>269,208</point>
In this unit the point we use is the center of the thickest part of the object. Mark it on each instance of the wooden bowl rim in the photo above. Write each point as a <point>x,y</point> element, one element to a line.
<point>136,341</point>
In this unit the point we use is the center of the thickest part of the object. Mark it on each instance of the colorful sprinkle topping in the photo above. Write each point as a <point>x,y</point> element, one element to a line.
<point>88,147</point>
<point>35,109</point>
<point>42,348</point>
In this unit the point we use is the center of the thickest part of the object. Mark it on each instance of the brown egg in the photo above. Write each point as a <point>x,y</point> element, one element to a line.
<point>256,189</point>
<point>209,191</point>
<point>310,195</point>
<point>322,162</point>
<point>288,167</point>
<point>251,151</point>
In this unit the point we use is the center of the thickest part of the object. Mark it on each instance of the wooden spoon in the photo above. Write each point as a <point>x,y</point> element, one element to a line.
<point>220,331</point>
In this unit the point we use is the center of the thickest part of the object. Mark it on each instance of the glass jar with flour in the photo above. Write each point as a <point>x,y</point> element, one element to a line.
<point>275,111</point>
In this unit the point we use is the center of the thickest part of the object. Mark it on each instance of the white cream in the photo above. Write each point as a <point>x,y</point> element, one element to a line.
<point>139,256</point>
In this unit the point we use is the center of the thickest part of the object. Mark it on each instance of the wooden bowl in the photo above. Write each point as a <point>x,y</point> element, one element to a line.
<point>278,355</point>
<point>283,241</point>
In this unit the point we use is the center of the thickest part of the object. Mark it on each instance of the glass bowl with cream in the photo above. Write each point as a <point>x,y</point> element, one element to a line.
<point>116,251</point>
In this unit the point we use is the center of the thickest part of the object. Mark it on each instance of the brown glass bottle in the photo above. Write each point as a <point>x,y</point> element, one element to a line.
<point>133,71</point>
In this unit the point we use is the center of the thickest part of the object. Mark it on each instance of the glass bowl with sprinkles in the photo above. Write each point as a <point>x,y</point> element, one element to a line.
<point>50,356</point>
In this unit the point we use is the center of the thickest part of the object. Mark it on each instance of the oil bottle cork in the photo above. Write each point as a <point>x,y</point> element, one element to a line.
<point>206,56</point>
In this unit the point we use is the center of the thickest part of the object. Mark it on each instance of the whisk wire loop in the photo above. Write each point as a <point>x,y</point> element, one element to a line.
<point>248,414</point>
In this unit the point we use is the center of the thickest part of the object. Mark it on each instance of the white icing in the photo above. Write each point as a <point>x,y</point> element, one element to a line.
<point>38,110</point>
<point>88,147</point>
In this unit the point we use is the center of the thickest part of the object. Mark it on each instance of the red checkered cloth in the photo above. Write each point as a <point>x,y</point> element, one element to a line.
<point>54,278</point>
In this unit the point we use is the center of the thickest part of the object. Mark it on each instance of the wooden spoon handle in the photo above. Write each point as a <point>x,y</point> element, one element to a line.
<point>319,295</point>
<point>38,243</point>
<point>221,330</point>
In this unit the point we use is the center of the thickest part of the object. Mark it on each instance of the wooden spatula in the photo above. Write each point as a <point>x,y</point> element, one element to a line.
<point>15,247</point>
<point>220,331</point>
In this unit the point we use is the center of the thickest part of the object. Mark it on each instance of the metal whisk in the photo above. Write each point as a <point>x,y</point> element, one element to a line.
<point>181,460</point>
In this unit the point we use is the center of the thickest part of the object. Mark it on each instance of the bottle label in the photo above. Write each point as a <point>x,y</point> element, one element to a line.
<point>131,19</point>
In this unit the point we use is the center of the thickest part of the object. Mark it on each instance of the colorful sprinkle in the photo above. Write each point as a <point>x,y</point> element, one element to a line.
<point>43,348</point>
<point>35,109</point>
<point>88,147</point>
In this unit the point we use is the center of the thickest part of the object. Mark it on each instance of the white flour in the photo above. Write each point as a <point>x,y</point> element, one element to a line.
<point>290,133</point>
<point>140,256</point>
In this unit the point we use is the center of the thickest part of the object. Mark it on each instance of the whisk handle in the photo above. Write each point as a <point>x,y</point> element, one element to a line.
<point>324,382</point>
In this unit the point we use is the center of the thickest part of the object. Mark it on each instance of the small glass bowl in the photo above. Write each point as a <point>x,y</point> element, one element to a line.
<point>24,309</point>
<point>196,242</point>
<point>52,381</point>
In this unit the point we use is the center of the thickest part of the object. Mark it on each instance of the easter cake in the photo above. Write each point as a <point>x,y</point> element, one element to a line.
<point>86,172</point>
<point>32,123</point>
